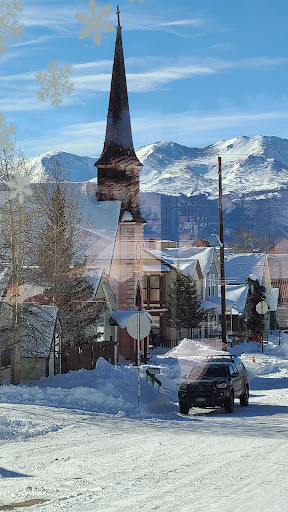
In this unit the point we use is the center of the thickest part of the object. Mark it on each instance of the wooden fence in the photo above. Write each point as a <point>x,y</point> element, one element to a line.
<point>76,358</point>
<point>213,342</point>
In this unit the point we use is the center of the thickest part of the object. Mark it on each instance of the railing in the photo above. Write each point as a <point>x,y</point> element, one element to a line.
<point>213,342</point>
<point>153,378</point>
<point>166,343</point>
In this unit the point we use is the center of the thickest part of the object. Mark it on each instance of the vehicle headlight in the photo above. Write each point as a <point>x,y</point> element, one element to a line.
<point>222,385</point>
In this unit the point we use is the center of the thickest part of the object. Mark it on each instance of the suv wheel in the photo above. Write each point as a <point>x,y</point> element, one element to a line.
<point>244,399</point>
<point>184,409</point>
<point>229,405</point>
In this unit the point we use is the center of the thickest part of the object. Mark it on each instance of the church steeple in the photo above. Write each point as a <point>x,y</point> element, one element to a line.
<point>118,138</point>
<point>118,166</point>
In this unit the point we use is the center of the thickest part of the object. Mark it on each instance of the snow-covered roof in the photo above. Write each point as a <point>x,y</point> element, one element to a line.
<point>208,305</point>
<point>237,294</point>
<point>216,300</point>
<point>120,317</point>
<point>102,218</point>
<point>155,267</point>
<point>127,217</point>
<point>278,266</point>
<point>25,292</point>
<point>37,330</point>
<point>239,266</point>
<point>185,258</point>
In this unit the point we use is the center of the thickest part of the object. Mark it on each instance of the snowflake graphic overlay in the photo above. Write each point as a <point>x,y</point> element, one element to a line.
<point>8,22</point>
<point>5,134</point>
<point>95,22</point>
<point>54,83</point>
<point>19,187</point>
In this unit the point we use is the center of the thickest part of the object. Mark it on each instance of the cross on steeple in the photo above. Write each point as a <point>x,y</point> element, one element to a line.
<point>118,15</point>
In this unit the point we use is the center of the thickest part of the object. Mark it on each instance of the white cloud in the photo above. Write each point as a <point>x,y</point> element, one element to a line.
<point>29,42</point>
<point>103,64</point>
<point>185,128</point>
<point>251,62</point>
<point>140,82</point>
<point>44,16</point>
<point>61,19</point>
<point>95,76</point>
<point>196,22</point>
<point>22,105</point>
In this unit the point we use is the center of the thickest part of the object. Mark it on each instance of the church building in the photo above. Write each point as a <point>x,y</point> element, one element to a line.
<point>118,180</point>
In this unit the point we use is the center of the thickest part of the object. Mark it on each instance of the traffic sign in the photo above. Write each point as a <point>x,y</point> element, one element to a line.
<point>138,326</point>
<point>262,307</point>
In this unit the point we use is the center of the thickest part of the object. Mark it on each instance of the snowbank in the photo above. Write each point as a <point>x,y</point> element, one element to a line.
<point>107,389</point>
<point>114,389</point>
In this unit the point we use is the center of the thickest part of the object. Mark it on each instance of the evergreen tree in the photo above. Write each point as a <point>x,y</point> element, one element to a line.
<point>184,305</point>
<point>256,294</point>
<point>61,257</point>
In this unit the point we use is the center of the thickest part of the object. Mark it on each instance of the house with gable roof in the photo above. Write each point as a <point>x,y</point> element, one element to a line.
<point>160,264</point>
<point>237,268</point>
<point>160,270</point>
<point>40,341</point>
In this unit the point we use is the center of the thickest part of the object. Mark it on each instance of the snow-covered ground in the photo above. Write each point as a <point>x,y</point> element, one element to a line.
<point>79,442</point>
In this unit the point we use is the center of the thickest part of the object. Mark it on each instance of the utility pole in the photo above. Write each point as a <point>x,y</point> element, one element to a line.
<point>222,271</point>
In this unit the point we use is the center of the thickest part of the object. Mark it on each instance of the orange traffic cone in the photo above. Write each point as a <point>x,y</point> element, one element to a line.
<point>253,359</point>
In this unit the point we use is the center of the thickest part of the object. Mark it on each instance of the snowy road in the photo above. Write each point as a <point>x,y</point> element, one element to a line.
<point>80,460</point>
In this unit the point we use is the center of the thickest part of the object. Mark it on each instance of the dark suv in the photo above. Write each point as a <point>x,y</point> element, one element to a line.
<point>217,382</point>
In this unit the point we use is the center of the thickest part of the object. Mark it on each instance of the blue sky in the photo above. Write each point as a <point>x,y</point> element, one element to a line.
<point>197,71</point>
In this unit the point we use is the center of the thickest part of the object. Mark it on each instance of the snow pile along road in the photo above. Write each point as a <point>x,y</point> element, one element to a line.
<point>80,443</point>
<point>107,389</point>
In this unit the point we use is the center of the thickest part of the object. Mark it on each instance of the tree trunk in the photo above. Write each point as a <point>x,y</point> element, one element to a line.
<point>16,262</point>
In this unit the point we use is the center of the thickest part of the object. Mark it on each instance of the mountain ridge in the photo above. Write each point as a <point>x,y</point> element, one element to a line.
<point>251,167</point>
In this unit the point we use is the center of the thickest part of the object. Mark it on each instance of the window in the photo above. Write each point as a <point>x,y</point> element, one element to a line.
<point>232,370</point>
<point>212,285</point>
<point>240,367</point>
<point>145,294</point>
<point>154,288</point>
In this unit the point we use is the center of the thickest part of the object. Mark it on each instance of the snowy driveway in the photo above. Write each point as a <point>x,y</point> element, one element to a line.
<point>81,460</point>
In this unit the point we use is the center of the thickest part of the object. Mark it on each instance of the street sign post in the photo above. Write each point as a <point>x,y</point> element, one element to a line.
<point>138,326</point>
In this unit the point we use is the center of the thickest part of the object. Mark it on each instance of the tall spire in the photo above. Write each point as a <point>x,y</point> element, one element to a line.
<point>118,14</point>
<point>118,139</point>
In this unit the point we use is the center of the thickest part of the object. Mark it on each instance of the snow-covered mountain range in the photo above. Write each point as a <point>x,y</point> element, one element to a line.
<point>250,165</point>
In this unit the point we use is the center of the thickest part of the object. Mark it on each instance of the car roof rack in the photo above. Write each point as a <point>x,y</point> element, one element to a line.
<point>222,356</point>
